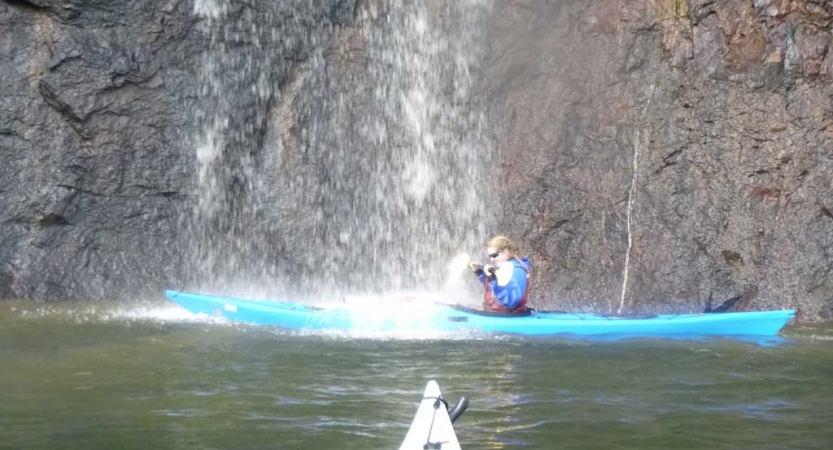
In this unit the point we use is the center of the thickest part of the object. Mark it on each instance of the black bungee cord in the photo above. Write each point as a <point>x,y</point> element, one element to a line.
<point>428,444</point>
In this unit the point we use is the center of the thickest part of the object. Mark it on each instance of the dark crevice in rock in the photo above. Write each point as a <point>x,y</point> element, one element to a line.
<point>56,63</point>
<point>82,191</point>
<point>156,192</point>
<point>262,131</point>
<point>357,9</point>
<point>6,281</point>
<point>732,257</point>
<point>52,219</point>
<point>763,192</point>
<point>23,4</point>
<point>344,12</point>
<point>120,80</point>
<point>51,98</point>
<point>669,160</point>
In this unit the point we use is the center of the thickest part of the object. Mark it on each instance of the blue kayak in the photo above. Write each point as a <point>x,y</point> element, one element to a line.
<point>457,318</point>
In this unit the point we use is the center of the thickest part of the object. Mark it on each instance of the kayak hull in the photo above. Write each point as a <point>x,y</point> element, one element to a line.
<point>456,318</point>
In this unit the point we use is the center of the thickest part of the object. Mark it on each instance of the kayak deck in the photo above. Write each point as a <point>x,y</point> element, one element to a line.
<point>457,318</point>
<point>432,427</point>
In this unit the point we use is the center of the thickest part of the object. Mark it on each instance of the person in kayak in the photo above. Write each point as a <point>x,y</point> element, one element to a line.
<point>506,278</point>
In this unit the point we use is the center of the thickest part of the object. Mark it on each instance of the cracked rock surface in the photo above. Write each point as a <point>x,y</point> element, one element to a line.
<point>649,152</point>
<point>686,144</point>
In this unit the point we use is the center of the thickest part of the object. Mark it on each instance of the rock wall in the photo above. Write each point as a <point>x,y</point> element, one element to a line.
<point>100,108</point>
<point>93,97</point>
<point>650,152</point>
<point>659,151</point>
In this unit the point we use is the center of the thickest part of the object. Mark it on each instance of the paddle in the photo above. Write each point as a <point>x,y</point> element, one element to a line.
<point>458,263</point>
<point>457,282</point>
<point>461,261</point>
<point>454,268</point>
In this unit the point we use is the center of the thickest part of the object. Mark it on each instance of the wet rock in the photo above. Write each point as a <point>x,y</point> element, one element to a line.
<point>95,161</point>
<point>649,152</point>
<point>692,171</point>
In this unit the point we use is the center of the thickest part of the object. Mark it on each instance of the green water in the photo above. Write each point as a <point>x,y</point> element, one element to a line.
<point>92,377</point>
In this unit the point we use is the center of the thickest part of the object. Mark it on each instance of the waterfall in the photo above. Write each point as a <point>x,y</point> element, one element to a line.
<point>338,155</point>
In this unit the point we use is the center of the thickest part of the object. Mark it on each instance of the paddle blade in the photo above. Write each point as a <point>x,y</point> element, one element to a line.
<point>458,262</point>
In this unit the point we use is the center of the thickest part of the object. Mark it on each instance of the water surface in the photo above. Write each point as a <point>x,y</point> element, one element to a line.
<point>86,376</point>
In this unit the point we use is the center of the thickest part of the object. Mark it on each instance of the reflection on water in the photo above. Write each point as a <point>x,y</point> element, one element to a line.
<point>109,376</point>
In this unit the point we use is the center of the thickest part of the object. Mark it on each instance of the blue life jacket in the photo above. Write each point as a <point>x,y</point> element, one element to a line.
<point>513,296</point>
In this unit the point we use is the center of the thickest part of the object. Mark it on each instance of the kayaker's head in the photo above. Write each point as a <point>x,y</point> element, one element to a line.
<point>501,249</point>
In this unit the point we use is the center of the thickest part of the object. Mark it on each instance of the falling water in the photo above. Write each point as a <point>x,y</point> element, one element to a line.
<point>342,149</point>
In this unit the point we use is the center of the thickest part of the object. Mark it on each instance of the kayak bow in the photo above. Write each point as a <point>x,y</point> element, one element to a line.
<point>432,425</point>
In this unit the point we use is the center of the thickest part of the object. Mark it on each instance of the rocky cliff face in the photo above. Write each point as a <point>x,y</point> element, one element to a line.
<point>94,97</point>
<point>102,106</point>
<point>658,151</point>
<point>649,152</point>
